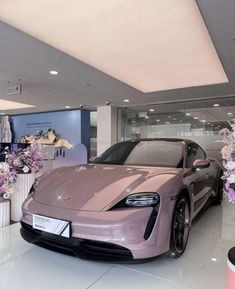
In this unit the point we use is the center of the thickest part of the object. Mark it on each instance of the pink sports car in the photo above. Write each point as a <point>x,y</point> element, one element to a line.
<point>136,201</point>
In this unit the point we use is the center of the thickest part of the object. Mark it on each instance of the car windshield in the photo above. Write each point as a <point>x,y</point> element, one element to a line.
<point>144,153</point>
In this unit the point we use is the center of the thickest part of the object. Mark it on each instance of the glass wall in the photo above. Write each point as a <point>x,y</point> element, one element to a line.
<point>93,134</point>
<point>200,121</point>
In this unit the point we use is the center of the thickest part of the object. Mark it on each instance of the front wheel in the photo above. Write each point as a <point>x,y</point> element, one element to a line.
<point>180,227</point>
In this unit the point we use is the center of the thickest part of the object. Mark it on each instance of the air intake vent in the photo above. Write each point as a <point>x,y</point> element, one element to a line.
<point>14,90</point>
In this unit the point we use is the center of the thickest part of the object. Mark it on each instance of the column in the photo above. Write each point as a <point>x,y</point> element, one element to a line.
<point>5,130</point>
<point>106,127</point>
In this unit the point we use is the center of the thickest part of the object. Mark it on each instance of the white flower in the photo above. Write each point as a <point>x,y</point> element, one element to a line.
<point>4,167</point>
<point>231,179</point>
<point>6,195</point>
<point>11,179</point>
<point>25,169</point>
<point>230,165</point>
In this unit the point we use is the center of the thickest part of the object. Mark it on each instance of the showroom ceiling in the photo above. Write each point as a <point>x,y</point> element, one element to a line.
<point>27,61</point>
<point>144,44</point>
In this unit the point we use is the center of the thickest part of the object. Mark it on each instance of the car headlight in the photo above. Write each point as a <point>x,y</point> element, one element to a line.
<point>34,187</point>
<point>142,200</point>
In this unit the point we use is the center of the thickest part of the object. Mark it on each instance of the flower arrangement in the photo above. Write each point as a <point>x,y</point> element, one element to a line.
<point>26,160</point>
<point>22,161</point>
<point>7,180</point>
<point>228,154</point>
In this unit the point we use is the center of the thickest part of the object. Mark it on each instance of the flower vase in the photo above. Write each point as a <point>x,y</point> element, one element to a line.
<point>21,190</point>
<point>4,212</point>
<point>231,269</point>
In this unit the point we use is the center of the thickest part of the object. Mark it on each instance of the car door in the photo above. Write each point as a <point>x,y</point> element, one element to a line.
<point>198,179</point>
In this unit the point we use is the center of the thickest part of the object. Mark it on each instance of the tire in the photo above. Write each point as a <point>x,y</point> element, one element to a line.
<point>180,227</point>
<point>219,191</point>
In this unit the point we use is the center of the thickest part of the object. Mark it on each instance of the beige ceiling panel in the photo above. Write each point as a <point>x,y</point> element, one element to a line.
<point>7,105</point>
<point>151,45</point>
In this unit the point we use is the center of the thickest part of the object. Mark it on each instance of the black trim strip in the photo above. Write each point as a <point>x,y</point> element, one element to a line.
<point>151,222</point>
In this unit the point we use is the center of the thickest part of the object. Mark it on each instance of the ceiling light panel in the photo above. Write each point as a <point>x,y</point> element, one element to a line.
<point>153,46</point>
<point>7,105</point>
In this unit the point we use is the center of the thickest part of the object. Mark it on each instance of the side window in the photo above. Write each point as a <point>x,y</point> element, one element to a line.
<point>194,152</point>
<point>115,154</point>
<point>200,153</point>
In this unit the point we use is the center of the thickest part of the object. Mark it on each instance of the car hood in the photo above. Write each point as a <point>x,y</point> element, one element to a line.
<point>93,187</point>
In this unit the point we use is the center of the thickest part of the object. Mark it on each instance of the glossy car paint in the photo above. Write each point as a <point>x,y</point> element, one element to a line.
<point>85,195</point>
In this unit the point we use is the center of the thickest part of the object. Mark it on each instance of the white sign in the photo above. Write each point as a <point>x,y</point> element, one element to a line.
<point>51,225</point>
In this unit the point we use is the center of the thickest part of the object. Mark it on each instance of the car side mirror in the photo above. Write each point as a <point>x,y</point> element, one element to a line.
<point>201,164</point>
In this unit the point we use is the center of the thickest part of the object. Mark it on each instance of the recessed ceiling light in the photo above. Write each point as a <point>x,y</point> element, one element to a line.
<point>126,100</point>
<point>54,72</point>
<point>203,120</point>
<point>174,118</point>
<point>146,116</point>
<point>195,118</point>
<point>157,120</point>
<point>67,106</point>
<point>213,259</point>
<point>229,113</point>
<point>167,122</point>
<point>188,114</point>
<point>215,104</point>
<point>151,109</point>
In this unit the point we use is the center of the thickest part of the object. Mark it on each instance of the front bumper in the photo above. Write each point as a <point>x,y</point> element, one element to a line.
<point>87,249</point>
<point>117,235</point>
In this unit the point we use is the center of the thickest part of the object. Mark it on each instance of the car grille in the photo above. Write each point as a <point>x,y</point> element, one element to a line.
<point>82,248</point>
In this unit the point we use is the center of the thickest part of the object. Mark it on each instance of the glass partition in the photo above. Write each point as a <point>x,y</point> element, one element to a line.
<point>199,120</point>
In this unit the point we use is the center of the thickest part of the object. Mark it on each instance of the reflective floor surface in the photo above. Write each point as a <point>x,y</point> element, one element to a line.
<point>203,265</point>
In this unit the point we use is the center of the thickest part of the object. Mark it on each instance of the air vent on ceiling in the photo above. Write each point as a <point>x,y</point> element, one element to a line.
<point>14,89</point>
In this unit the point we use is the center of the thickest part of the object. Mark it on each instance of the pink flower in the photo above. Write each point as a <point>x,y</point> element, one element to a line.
<point>226,152</point>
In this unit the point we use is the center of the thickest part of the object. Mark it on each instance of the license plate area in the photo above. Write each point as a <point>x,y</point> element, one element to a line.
<point>51,225</point>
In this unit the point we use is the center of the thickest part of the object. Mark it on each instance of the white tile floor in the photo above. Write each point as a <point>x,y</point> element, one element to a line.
<point>203,265</point>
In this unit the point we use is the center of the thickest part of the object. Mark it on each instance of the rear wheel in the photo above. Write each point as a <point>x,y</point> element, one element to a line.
<point>180,227</point>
